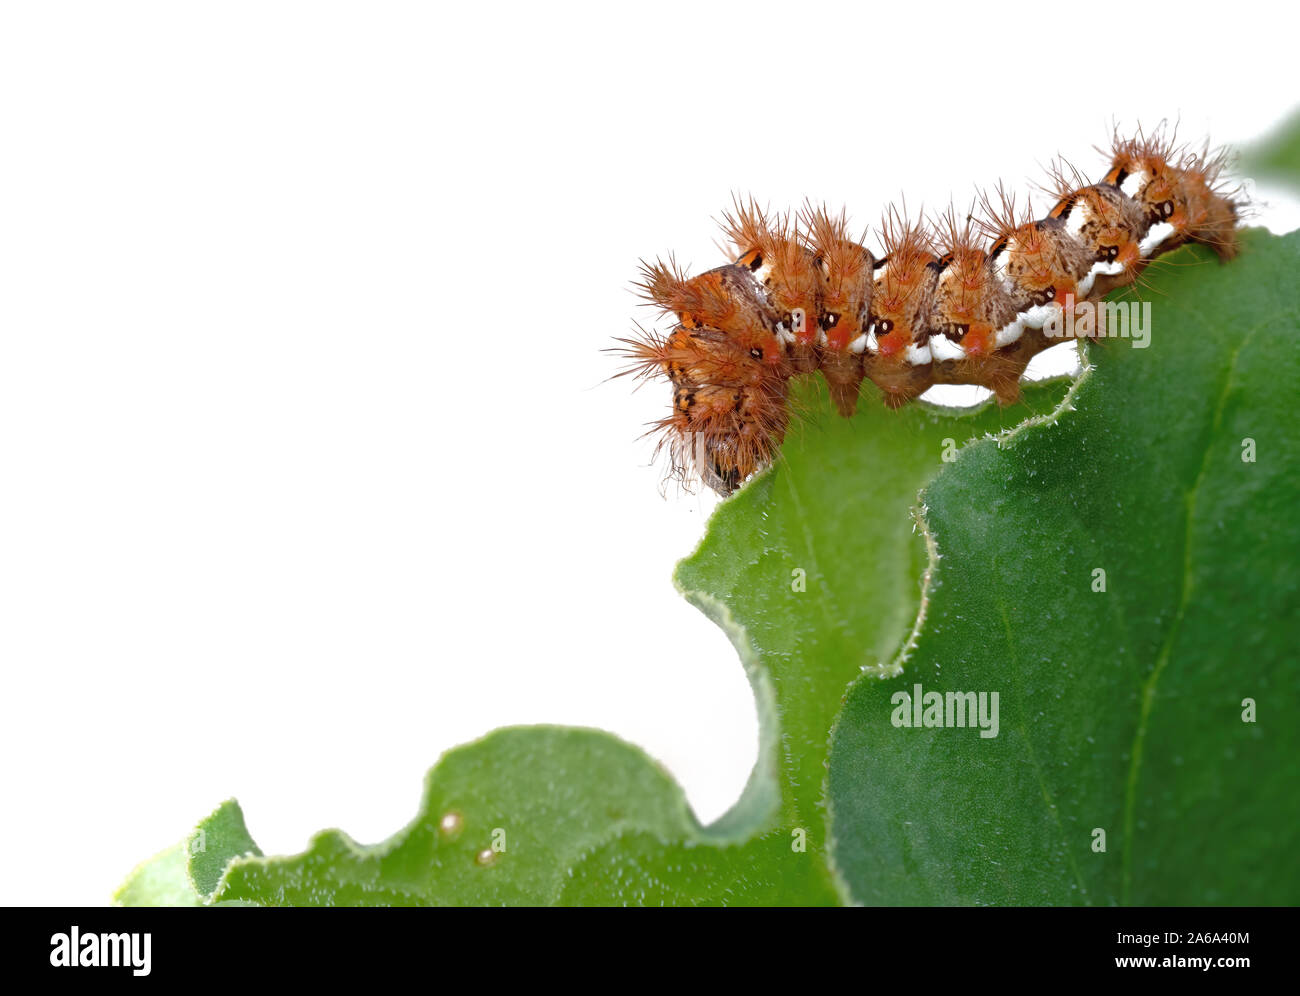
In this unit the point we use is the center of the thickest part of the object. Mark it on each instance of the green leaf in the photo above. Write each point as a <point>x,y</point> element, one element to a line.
<point>640,870</point>
<point>500,821</point>
<point>216,841</point>
<point>835,507</point>
<point>1277,156</point>
<point>589,819</point>
<point>187,873</point>
<point>815,572</point>
<point>163,880</point>
<point>1120,711</point>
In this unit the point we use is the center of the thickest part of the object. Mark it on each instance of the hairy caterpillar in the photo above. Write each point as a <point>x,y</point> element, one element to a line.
<point>957,299</point>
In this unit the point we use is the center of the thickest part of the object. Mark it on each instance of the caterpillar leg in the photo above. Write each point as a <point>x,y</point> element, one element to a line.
<point>843,373</point>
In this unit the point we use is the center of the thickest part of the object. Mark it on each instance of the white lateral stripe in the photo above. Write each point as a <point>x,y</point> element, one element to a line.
<point>918,356</point>
<point>1076,218</point>
<point>1009,333</point>
<point>1107,269</point>
<point>1098,270</point>
<point>1036,317</point>
<point>858,344</point>
<point>1156,234</point>
<point>943,349</point>
<point>1000,265</point>
<point>1134,182</point>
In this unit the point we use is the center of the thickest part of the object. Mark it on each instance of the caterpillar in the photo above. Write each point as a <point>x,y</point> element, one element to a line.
<point>952,299</point>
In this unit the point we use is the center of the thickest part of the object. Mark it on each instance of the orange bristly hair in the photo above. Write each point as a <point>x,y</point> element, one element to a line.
<point>959,300</point>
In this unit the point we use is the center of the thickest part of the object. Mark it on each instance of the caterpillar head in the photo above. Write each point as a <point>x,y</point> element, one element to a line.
<point>729,410</point>
<point>728,371</point>
<point>723,434</point>
<point>729,413</point>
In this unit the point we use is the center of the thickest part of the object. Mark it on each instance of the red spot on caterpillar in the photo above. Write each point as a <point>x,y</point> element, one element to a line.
<point>979,340</point>
<point>892,344</point>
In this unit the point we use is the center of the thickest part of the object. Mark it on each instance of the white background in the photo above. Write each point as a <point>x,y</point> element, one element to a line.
<point>307,469</point>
